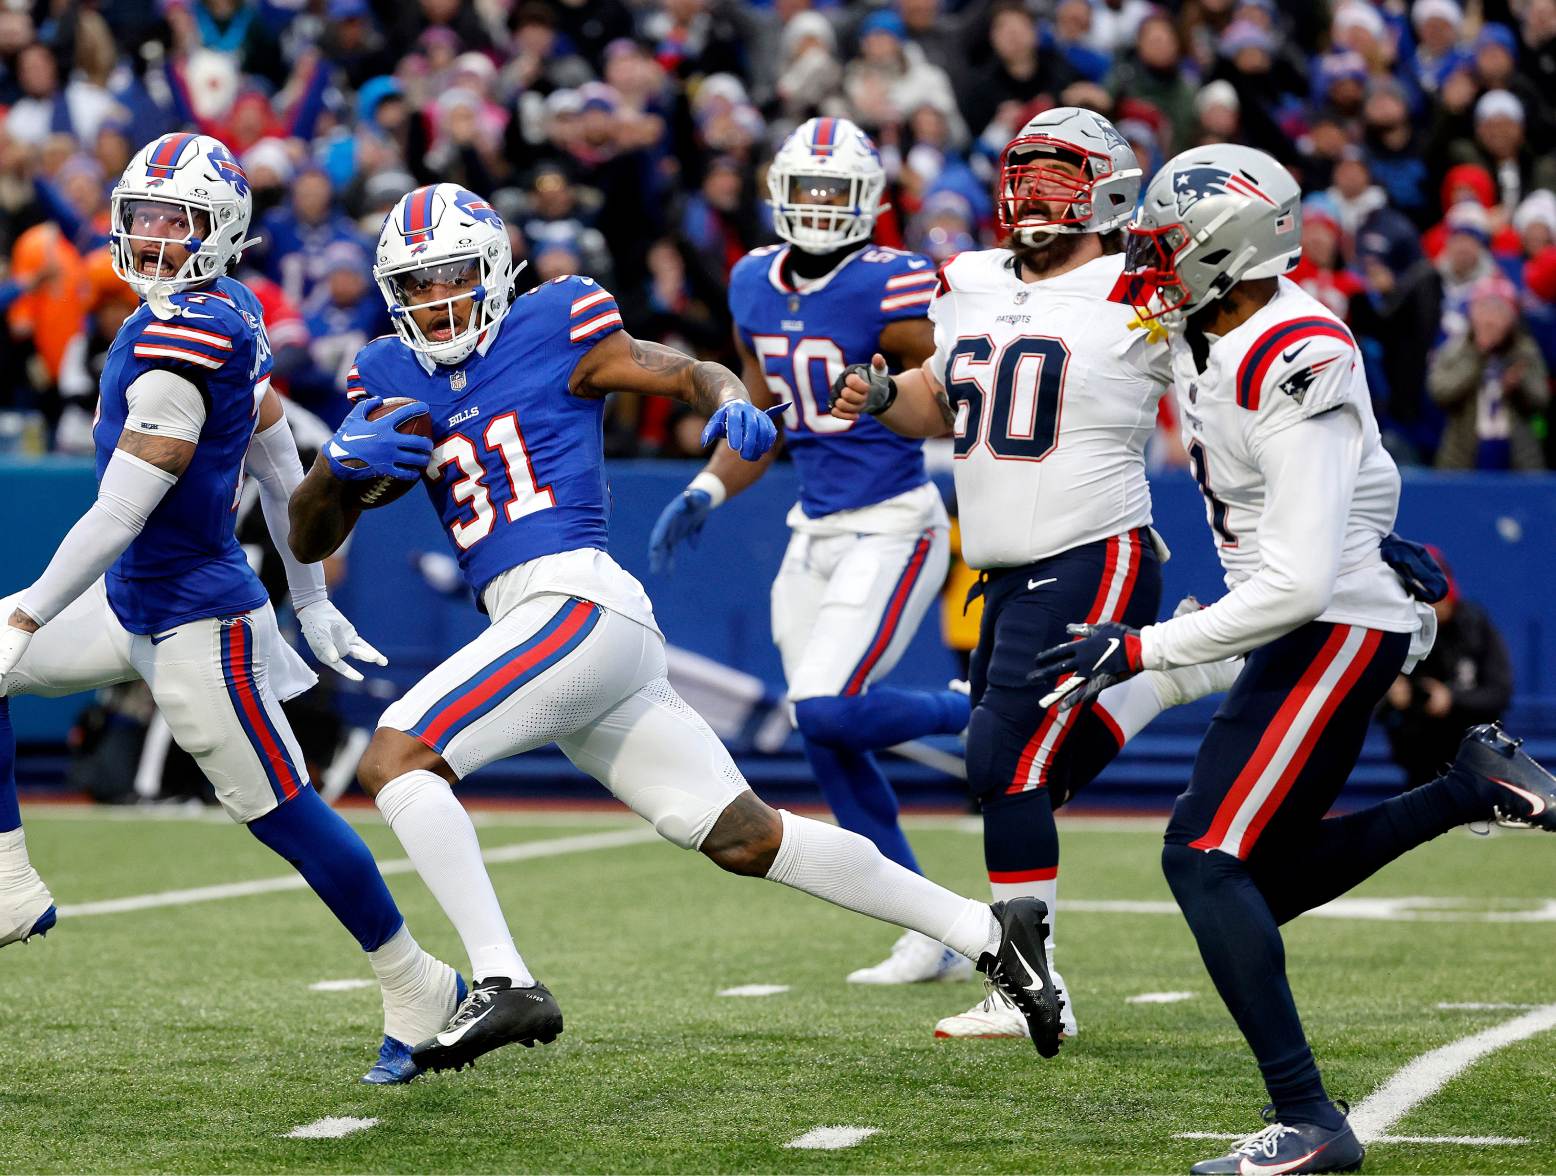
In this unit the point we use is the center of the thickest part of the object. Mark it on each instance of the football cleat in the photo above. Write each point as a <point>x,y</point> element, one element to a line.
<point>395,1065</point>
<point>916,959</point>
<point>1523,794</point>
<point>26,909</point>
<point>493,1015</point>
<point>1279,1149</point>
<point>1018,967</point>
<point>995,1016</point>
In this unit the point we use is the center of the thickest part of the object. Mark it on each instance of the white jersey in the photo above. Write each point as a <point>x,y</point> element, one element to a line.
<point>1296,515</point>
<point>1055,398</point>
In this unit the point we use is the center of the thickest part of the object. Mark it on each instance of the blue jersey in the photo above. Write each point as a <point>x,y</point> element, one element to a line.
<point>518,468</point>
<point>336,333</point>
<point>186,563</point>
<point>805,340</point>
<point>294,252</point>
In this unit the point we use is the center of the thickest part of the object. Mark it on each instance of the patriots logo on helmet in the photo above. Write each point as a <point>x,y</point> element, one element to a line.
<point>1195,183</point>
<point>1110,134</point>
<point>229,169</point>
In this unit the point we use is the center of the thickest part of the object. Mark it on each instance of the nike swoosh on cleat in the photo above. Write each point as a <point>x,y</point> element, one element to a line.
<point>1536,802</point>
<point>1288,356</point>
<point>1108,652</point>
<point>1248,1168</point>
<point>1031,584</point>
<point>447,1038</point>
<point>1033,974</point>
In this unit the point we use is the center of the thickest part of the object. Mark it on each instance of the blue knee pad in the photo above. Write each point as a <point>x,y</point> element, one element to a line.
<point>881,717</point>
<point>336,862</point>
<point>10,812</point>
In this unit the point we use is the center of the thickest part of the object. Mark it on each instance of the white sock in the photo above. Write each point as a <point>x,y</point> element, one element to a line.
<point>1047,890</point>
<point>418,988</point>
<point>846,869</point>
<point>441,843</point>
<point>15,868</point>
<point>1132,703</point>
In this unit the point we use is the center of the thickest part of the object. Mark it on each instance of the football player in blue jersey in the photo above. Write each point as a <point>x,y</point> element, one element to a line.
<point>515,389</point>
<point>152,584</point>
<point>870,548</point>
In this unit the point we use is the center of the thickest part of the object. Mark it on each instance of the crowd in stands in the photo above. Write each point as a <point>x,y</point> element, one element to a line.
<point>626,139</point>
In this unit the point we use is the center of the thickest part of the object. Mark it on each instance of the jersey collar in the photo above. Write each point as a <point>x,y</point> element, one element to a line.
<point>488,337</point>
<point>781,283</point>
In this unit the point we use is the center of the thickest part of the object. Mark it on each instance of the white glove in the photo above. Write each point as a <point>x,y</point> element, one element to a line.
<point>13,643</point>
<point>332,637</point>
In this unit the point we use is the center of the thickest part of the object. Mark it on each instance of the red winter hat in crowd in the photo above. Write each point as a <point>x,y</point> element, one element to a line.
<point>1540,274</point>
<point>1472,176</point>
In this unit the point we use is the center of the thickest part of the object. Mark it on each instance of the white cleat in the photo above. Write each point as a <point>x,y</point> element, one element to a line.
<point>995,1016</point>
<point>916,959</point>
<point>26,909</point>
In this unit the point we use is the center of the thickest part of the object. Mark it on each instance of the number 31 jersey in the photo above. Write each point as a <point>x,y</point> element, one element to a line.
<point>1055,397</point>
<point>804,339</point>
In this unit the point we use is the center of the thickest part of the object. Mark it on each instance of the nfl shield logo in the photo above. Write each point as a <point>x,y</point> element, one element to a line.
<point>794,303</point>
<point>456,380</point>
<point>1021,296</point>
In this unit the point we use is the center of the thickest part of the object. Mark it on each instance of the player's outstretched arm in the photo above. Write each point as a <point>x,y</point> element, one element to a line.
<point>141,471</point>
<point>725,475</point>
<point>911,403</point>
<point>620,363</point>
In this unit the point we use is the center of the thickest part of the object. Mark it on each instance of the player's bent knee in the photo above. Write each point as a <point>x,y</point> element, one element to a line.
<point>745,838</point>
<point>392,754</point>
<point>825,719</point>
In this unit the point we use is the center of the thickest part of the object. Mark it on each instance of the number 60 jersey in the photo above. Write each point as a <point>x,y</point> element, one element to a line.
<point>1055,398</point>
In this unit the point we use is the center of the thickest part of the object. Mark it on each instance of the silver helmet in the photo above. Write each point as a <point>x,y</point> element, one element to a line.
<point>1213,216</point>
<point>1096,198</point>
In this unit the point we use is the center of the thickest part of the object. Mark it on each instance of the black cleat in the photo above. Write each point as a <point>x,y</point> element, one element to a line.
<point>1279,1148</point>
<point>1019,969</point>
<point>1523,793</point>
<point>493,1015</point>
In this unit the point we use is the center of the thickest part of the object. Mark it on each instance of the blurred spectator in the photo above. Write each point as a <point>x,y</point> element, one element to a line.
<point>1467,678</point>
<point>890,75</point>
<point>692,37</point>
<point>1492,384</point>
<point>811,77</point>
<point>345,312</point>
<point>1019,71</point>
<point>557,210</point>
<point>1353,194</point>
<point>1072,39</point>
<point>1394,150</point>
<point>715,220</point>
<point>296,235</point>
<point>109,303</point>
<point>1395,317</point>
<point>1218,110</point>
<point>1534,223</point>
<point>1154,74</point>
<point>1322,272</point>
<point>52,311</point>
<point>1499,146</point>
<point>1438,26</point>
<point>1464,261</point>
<point>1471,183</point>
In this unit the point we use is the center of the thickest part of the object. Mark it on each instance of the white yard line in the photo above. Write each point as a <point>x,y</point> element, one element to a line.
<point>1466,1140</point>
<point>330,1128</point>
<point>525,851</point>
<point>1158,997</point>
<point>1429,1073</point>
<point>754,990</point>
<point>832,1138</point>
<point>340,985</point>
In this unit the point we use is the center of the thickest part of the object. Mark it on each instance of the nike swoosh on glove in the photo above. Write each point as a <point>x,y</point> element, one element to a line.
<point>749,430</point>
<point>384,451</point>
<point>680,521</point>
<point>333,638</point>
<point>13,643</point>
<point>1109,648</point>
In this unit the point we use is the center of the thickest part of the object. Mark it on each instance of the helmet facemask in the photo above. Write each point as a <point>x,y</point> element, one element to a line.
<point>188,222</point>
<point>1154,281</point>
<point>439,293</point>
<point>1050,186</point>
<point>822,211</point>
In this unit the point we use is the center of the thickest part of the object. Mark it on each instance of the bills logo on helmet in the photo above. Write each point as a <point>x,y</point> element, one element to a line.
<point>477,209</point>
<point>229,169</point>
<point>1195,183</point>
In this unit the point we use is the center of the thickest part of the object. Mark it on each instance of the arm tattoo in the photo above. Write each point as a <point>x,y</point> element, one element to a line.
<point>703,385</point>
<point>947,413</point>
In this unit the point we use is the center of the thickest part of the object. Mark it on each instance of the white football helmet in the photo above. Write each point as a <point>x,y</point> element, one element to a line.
<point>444,235</point>
<point>189,182</point>
<point>1099,200</point>
<point>826,183</point>
<point>1212,217</point>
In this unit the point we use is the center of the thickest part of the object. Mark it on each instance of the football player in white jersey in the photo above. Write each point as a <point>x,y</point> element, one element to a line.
<point>1050,397</point>
<point>1301,498</point>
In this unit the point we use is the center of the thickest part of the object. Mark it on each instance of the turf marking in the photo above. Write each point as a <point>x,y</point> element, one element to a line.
<point>1410,909</point>
<point>754,990</point>
<point>339,985</point>
<point>1429,1073</point>
<point>1158,997</point>
<point>832,1138</point>
<point>1478,1005</point>
<point>525,851</point>
<point>330,1128</point>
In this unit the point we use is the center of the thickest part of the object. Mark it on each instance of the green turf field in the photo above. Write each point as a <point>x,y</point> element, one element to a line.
<point>186,1038</point>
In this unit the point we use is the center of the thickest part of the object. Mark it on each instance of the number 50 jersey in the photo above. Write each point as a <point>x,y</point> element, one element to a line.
<point>1055,397</point>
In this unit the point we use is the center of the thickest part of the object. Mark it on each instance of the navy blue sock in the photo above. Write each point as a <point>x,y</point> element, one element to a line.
<point>857,792</point>
<point>1020,840</point>
<point>1242,949</point>
<point>881,717</point>
<point>10,811</point>
<point>1322,862</point>
<point>326,851</point>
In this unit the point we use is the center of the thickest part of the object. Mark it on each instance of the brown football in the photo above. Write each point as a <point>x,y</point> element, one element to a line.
<point>382,491</point>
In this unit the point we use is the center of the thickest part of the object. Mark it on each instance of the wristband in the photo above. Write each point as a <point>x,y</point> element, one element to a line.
<point>711,485</point>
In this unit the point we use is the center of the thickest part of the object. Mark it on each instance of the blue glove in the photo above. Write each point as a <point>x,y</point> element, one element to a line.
<point>1414,564</point>
<point>382,450</point>
<point>681,520</point>
<point>1109,648</point>
<point>749,430</point>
